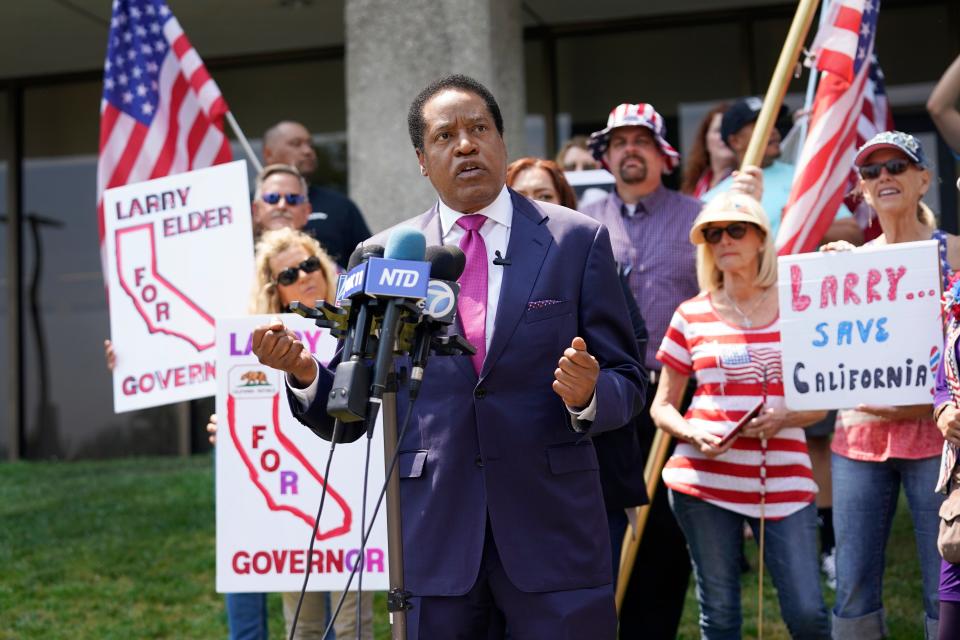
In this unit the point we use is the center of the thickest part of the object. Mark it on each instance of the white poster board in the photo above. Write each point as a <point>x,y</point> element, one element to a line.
<point>861,326</point>
<point>179,254</point>
<point>269,477</point>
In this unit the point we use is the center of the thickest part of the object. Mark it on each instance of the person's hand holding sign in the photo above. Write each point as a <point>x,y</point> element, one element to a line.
<point>949,424</point>
<point>278,348</point>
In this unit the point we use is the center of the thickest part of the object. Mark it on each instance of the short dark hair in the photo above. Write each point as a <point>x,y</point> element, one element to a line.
<point>415,121</point>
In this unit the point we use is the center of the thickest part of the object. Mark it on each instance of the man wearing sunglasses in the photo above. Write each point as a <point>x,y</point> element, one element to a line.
<point>333,219</point>
<point>280,199</point>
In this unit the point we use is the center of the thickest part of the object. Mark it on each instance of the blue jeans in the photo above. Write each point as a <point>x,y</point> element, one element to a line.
<point>864,501</point>
<point>247,616</point>
<point>714,536</point>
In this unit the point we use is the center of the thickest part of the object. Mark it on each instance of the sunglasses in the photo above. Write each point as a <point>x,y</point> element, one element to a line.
<point>292,199</point>
<point>735,230</point>
<point>289,276</point>
<point>894,166</point>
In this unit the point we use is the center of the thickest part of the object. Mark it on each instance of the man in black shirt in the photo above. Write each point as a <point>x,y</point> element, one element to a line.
<point>336,221</point>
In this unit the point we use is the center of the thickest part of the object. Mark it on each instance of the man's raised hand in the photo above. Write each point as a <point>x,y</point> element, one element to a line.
<point>576,375</point>
<point>278,348</point>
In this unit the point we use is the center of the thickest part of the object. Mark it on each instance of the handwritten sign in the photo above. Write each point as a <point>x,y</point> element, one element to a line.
<point>269,479</point>
<point>179,253</point>
<point>861,326</point>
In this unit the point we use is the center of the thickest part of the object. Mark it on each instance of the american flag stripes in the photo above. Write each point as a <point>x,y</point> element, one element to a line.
<point>848,103</point>
<point>161,112</point>
<point>741,363</point>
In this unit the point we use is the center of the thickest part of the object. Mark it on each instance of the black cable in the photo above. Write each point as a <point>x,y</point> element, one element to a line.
<point>316,526</point>
<point>363,521</point>
<point>373,518</point>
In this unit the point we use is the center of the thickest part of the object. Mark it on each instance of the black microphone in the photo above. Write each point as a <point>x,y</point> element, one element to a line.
<point>347,402</point>
<point>440,307</point>
<point>500,261</point>
<point>362,307</point>
<point>399,284</point>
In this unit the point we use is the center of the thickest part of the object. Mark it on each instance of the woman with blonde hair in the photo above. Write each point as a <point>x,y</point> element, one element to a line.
<point>291,265</point>
<point>878,449</point>
<point>728,338</point>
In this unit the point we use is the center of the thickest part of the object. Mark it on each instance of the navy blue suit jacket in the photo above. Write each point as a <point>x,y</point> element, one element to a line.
<point>501,445</point>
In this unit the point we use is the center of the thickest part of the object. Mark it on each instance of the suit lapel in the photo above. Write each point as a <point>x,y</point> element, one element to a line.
<point>527,248</point>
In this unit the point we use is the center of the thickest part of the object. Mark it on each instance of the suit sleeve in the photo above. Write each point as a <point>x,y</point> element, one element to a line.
<point>315,415</point>
<point>604,324</point>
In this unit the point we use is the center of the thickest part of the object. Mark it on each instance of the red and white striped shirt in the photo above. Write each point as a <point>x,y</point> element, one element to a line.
<point>730,364</point>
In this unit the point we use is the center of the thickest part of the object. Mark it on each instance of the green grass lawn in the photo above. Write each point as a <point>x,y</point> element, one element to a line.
<point>125,549</point>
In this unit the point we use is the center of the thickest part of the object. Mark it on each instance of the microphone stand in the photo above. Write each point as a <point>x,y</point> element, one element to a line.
<point>398,599</point>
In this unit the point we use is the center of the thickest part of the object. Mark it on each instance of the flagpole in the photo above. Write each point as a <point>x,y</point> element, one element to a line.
<point>778,83</point>
<point>812,80</point>
<point>632,538</point>
<point>242,139</point>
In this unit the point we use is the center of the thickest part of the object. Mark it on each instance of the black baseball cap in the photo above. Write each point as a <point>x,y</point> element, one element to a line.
<point>747,110</point>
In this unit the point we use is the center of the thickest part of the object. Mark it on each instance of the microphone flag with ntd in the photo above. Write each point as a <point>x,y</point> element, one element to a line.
<point>399,276</point>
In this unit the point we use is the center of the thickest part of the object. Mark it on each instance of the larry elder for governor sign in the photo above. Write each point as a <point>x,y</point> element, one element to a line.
<point>269,478</point>
<point>861,326</point>
<point>179,254</point>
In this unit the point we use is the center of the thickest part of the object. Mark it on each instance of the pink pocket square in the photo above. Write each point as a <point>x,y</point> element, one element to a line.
<point>540,304</point>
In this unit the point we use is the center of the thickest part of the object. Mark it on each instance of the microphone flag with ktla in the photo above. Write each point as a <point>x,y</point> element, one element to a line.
<point>350,295</point>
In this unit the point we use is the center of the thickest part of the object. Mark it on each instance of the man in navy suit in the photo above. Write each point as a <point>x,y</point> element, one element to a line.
<point>502,513</point>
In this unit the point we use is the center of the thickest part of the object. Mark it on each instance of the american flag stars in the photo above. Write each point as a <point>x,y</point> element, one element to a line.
<point>134,57</point>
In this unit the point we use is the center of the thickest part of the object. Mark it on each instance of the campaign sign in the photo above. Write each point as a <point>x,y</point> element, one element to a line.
<point>397,278</point>
<point>861,326</point>
<point>179,254</point>
<point>269,479</point>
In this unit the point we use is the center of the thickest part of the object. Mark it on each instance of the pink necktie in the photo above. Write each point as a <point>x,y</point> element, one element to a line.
<point>472,303</point>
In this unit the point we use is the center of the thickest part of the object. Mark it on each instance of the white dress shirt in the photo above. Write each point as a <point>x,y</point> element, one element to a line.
<point>496,237</point>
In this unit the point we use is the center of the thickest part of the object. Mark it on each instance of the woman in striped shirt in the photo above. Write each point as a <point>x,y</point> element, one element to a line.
<point>728,337</point>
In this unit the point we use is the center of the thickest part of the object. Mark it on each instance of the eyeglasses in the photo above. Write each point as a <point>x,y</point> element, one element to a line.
<point>735,230</point>
<point>289,276</point>
<point>293,199</point>
<point>894,166</point>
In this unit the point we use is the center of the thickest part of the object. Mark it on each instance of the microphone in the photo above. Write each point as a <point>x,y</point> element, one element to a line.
<point>347,401</point>
<point>500,261</point>
<point>350,294</point>
<point>399,276</point>
<point>440,308</point>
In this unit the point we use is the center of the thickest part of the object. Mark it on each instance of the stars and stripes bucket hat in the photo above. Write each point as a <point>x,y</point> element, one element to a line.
<point>635,115</point>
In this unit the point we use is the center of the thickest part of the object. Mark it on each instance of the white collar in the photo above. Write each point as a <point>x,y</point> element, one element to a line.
<point>500,211</point>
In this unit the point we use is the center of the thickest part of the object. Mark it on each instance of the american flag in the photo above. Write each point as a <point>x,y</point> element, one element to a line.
<point>740,363</point>
<point>850,105</point>
<point>161,112</point>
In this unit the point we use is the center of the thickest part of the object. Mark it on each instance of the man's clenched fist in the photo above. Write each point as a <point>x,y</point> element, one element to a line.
<point>278,348</point>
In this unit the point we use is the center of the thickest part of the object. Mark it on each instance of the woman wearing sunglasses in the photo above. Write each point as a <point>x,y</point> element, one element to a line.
<point>291,265</point>
<point>728,338</point>
<point>876,449</point>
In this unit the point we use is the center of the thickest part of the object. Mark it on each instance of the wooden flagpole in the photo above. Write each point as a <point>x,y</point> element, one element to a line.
<point>789,56</point>
<point>631,540</point>
<point>780,80</point>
